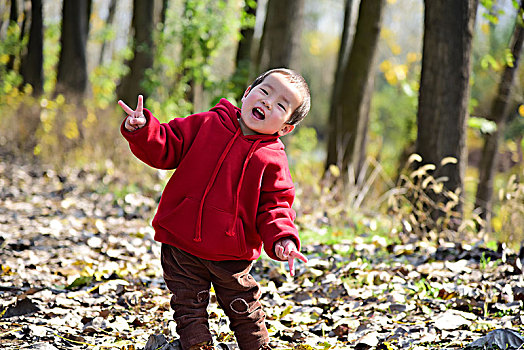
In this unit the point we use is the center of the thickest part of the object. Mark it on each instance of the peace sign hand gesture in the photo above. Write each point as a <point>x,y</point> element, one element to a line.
<point>135,118</point>
<point>286,249</point>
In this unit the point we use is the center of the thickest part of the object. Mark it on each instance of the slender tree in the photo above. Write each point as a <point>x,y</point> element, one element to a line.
<point>499,114</point>
<point>71,77</point>
<point>444,92</point>
<point>280,42</point>
<point>13,20</point>
<point>244,57</point>
<point>335,113</point>
<point>352,103</point>
<point>109,22</point>
<point>142,23</point>
<point>32,61</point>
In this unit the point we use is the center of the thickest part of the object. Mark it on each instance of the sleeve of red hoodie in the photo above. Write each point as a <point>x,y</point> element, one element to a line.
<point>275,216</point>
<point>162,145</point>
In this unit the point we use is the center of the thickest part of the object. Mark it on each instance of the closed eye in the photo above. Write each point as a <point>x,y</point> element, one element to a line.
<point>282,106</point>
<point>264,91</point>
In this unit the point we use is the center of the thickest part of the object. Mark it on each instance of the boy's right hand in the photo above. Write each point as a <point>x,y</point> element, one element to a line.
<point>135,118</point>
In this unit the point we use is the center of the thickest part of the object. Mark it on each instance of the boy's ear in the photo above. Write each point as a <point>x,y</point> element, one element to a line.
<point>285,129</point>
<point>246,93</point>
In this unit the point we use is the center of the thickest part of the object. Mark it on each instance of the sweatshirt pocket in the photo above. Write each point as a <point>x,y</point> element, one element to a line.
<point>181,222</point>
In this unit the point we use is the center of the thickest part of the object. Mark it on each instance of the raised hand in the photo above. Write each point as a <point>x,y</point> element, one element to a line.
<point>286,249</point>
<point>135,118</point>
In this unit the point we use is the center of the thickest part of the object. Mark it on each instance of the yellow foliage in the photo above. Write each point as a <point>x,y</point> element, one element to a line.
<point>315,46</point>
<point>90,120</point>
<point>4,58</point>
<point>386,65</point>
<point>71,129</point>
<point>521,110</point>
<point>386,33</point>
<point>485,28</point>
<point>412,57</point>
<point>334,170</point>
<point>395,49</point>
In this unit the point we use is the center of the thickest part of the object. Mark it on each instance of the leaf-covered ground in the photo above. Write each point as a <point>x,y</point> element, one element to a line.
<point>79,269</point>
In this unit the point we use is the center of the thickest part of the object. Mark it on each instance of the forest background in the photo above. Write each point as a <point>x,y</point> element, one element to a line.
<point>62,69</point>
<point>408,170</point>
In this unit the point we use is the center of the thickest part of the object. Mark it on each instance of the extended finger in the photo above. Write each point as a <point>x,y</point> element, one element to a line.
<point>125,107</point>
<point>140,105</point>
<point>298,255</point>
<point>291,263</point>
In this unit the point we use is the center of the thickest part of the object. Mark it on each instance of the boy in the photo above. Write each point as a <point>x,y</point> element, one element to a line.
<point>231,193</point>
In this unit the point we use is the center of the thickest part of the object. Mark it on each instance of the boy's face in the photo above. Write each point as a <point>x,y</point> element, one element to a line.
<point>267,106</point>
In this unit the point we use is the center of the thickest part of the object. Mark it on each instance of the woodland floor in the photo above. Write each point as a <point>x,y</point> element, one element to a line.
<point>80,269</point>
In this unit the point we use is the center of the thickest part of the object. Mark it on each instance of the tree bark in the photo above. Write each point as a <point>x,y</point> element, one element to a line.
<point>109,23</point>
<point>142,23</point>
<point>72,65</point>
<point>32,62</point>
<point>499,113</point>
<point>244,57</point>
<point>13,19</point>
<point>355,86</point>
<point>444,91</point>
<point>280,42</point>
<point>334,143</point>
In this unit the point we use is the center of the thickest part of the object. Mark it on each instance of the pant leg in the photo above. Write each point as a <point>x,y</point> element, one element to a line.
<point>189,282</point>
<point>238,294</point>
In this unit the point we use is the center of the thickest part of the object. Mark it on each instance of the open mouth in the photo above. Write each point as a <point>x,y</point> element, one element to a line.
<point>258,113</point>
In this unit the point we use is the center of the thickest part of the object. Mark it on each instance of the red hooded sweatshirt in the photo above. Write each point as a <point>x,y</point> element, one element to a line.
<point>230,192</point>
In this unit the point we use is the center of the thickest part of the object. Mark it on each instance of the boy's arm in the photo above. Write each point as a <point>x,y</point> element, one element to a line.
<point>275,216</point>
<point>160,145</point>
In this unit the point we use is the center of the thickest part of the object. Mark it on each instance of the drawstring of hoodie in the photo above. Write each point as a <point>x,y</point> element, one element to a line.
<point>231,231</point>
<point>198,229</point>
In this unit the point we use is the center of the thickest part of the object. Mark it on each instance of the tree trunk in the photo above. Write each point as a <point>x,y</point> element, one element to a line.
<point>109,23</point>
<point>71,78</point>
<point>280,42</point>
<point>13,19</point>
<point>335,113</point>
<point>356,80</point>
<point>163,13</point>
<point>244,58</point>
<point>142,23</point>
<point>499,113</point>
<point>32,62</point>
<point>444,91</point>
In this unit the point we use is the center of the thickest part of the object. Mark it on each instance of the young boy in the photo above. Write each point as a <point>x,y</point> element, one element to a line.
<point>231,193</point>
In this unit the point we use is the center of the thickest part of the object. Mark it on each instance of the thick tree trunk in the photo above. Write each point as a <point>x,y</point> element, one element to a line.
<point>444,90</point>
<point>334,143</point>
<point>32,62</point>
<point>71,78</point>
<point>143,21</point>
<point>280,42</point>
<point>356,80</point>
<point>499,113</point>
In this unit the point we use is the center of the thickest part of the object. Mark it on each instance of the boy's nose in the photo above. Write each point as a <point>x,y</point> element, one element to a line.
<point>267,104</point>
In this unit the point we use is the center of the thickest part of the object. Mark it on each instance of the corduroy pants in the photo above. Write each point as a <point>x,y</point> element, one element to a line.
<point>189,279</point>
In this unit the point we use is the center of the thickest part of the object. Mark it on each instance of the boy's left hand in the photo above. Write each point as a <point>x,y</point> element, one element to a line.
<point>286,249</point>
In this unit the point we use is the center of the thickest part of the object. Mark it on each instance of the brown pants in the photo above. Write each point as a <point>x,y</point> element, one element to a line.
<point>189,278</point>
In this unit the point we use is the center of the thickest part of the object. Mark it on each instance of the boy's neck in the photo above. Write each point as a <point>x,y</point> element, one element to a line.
<point>245,130</point>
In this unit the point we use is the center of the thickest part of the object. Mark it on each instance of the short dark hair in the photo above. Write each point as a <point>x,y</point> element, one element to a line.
<point>298,80</point>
